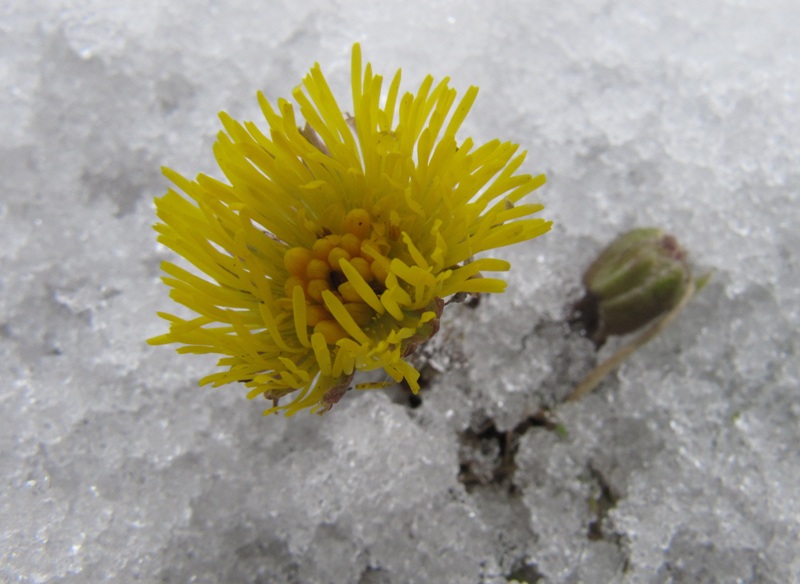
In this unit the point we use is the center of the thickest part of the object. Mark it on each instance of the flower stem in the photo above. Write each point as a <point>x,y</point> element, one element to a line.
<point>596,375</point>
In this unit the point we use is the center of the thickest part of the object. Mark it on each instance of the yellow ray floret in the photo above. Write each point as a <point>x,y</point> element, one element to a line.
<point>337,237</point>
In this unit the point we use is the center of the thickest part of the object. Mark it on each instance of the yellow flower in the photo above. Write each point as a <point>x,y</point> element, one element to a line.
<point>334,246</point>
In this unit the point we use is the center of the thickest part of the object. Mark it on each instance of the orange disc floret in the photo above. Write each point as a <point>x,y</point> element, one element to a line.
<point>322,248</point>
<point>337,254</point>
<point>316,287</point>
<point>316,313</point>
<point>296,259</point>
<point>349,293</point>
<point>362,267</point>
<point>380,270</point>
<point>331,330</point>
<point>318,270</point>
<point>357,222</point>
<point>351,244</point>
<point>291,282</point>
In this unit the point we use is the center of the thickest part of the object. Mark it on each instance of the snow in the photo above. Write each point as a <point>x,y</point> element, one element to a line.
<point>681,467</point>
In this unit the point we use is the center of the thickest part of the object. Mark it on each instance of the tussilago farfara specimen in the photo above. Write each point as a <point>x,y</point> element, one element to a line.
<point>335,241</point>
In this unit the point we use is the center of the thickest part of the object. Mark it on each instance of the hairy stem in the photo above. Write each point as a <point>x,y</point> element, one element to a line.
<point>596,375</point>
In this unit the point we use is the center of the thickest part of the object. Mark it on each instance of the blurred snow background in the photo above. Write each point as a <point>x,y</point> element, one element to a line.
<point>684,465</point>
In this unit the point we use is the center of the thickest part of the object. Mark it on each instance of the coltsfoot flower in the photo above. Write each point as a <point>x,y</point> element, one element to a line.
<point>334,245</point>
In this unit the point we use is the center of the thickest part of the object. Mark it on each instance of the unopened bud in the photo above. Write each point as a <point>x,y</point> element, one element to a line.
<point>640,276</point>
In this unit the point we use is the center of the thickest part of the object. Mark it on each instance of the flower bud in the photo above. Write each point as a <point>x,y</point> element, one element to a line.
<point>640,276</point>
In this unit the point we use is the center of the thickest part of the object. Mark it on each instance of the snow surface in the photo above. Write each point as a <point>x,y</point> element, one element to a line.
<point>684,465</point>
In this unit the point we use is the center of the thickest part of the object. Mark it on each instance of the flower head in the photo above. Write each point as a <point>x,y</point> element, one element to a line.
<point>334,245</point>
